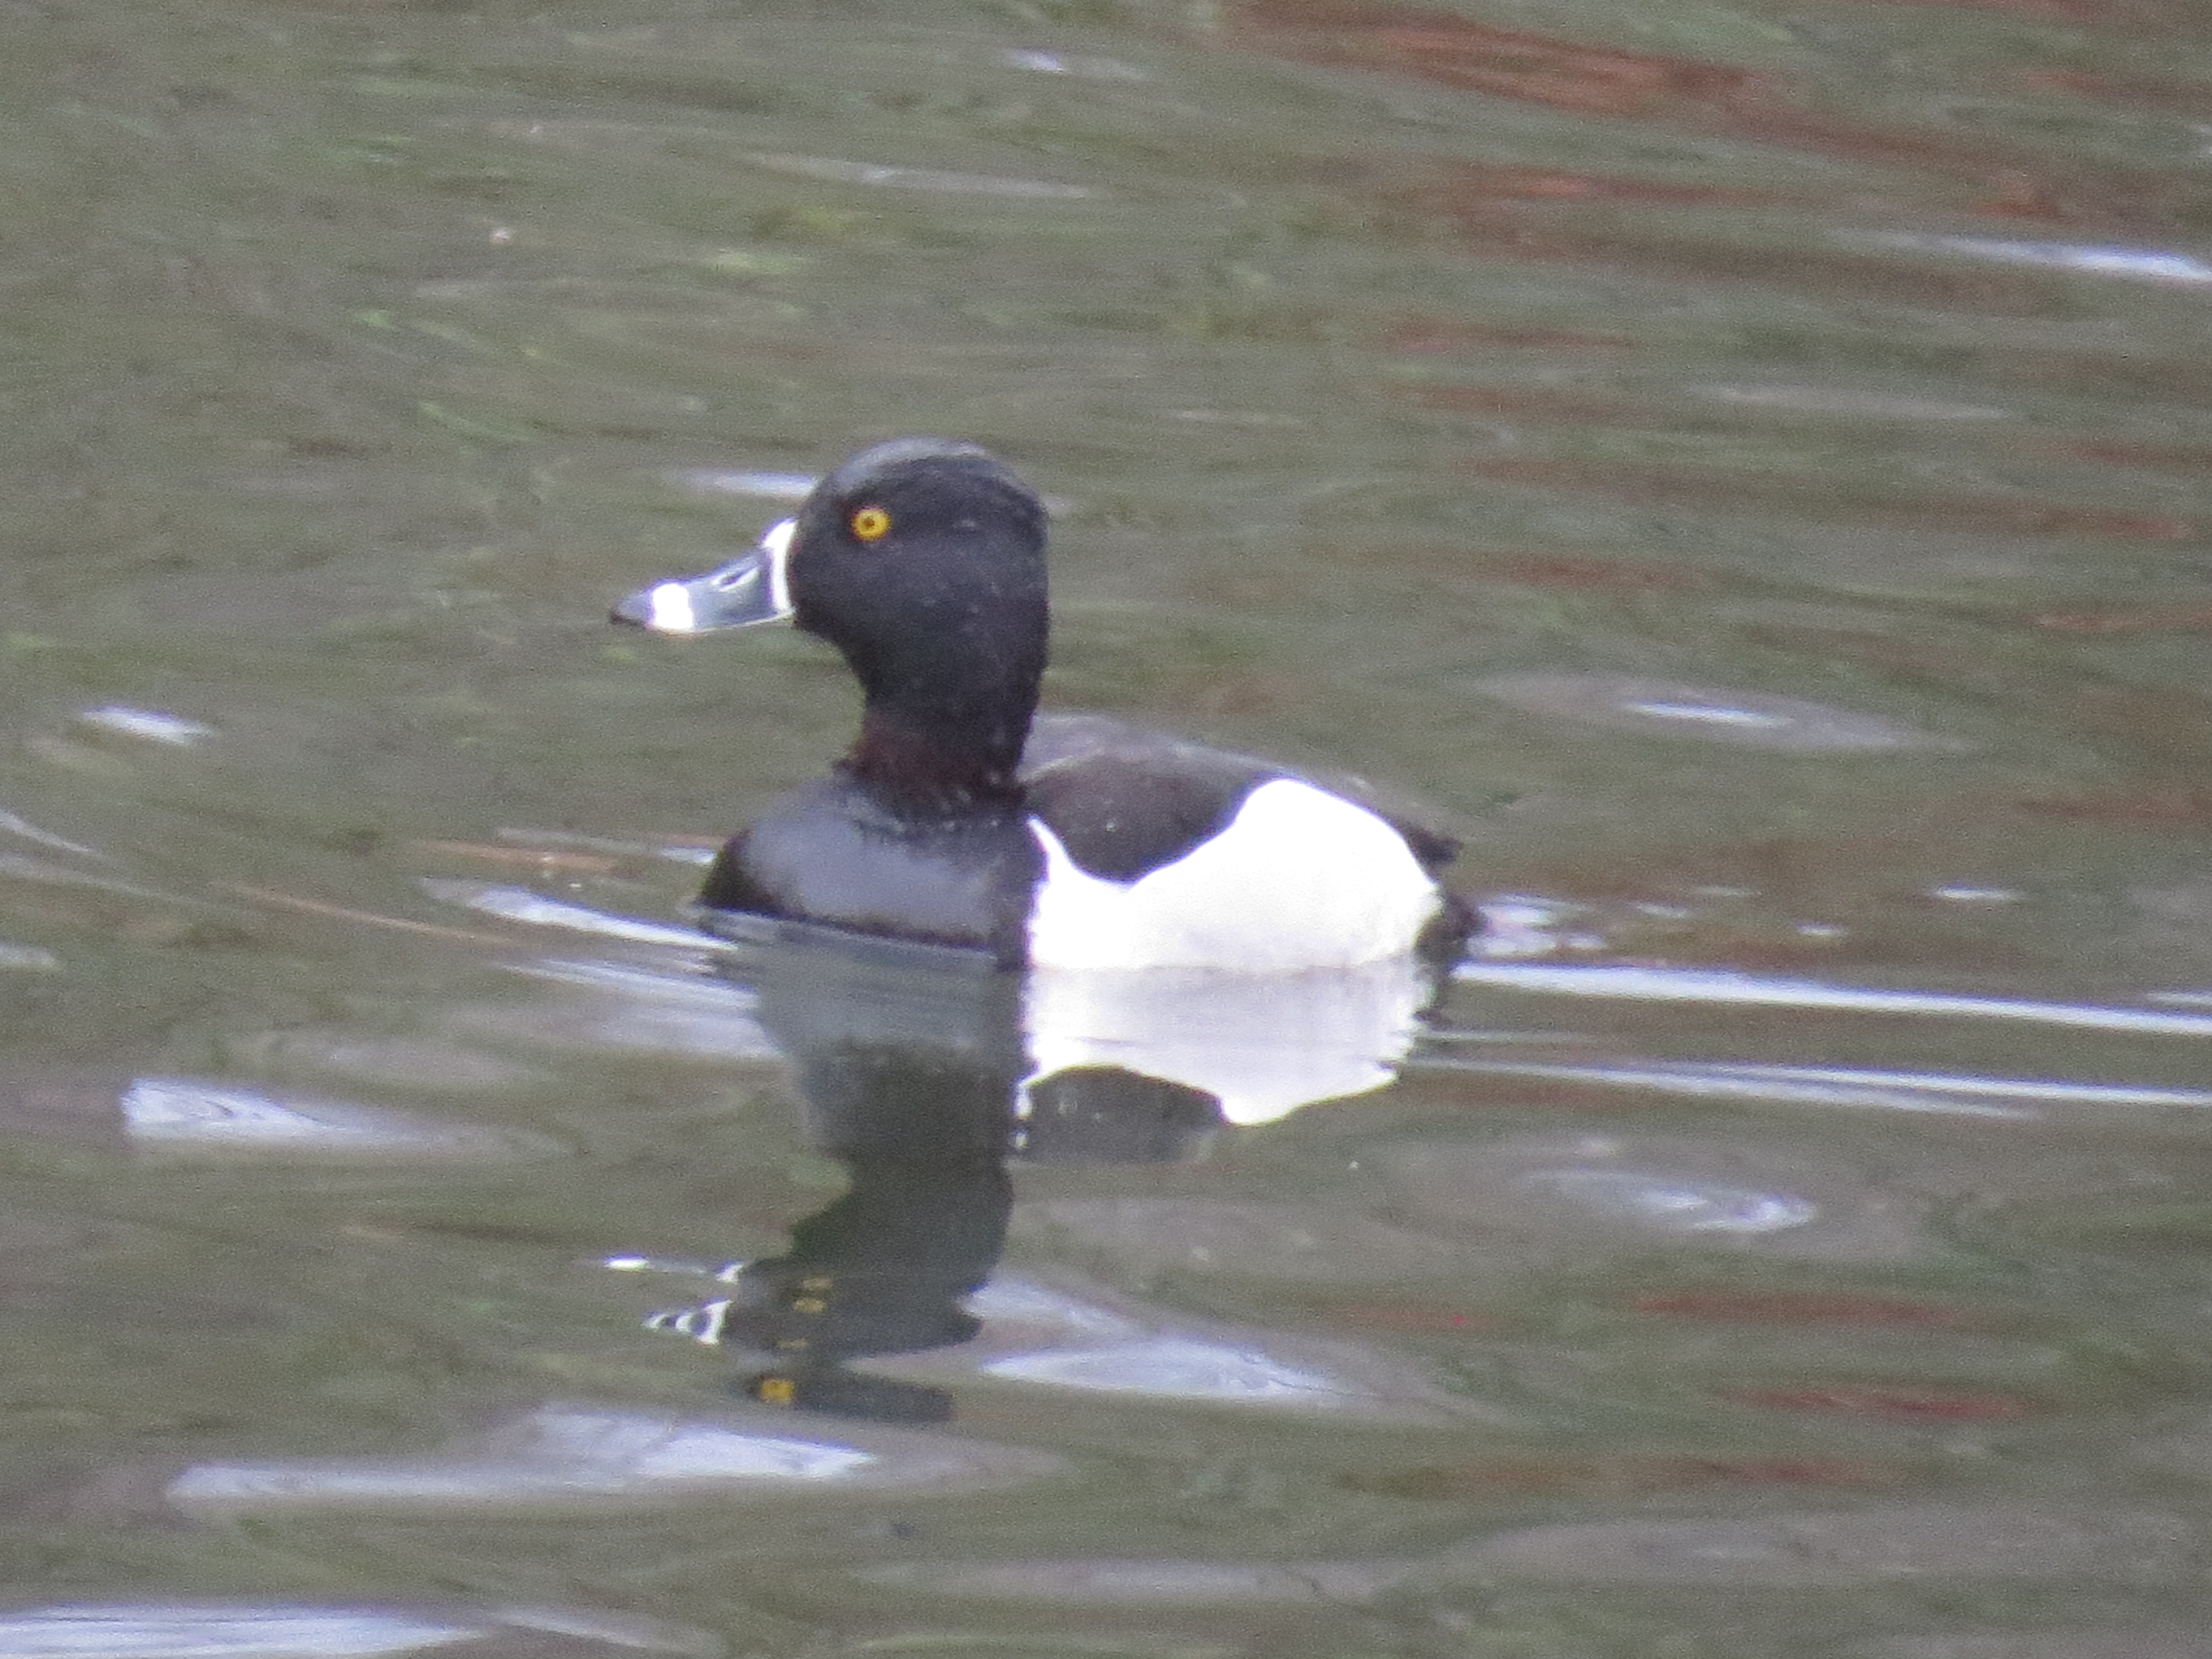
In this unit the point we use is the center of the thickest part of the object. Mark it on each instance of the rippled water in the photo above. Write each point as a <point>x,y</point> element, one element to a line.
<point>1744,463</point>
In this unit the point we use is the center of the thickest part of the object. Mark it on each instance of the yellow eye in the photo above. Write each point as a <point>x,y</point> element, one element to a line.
<point>870,524</point>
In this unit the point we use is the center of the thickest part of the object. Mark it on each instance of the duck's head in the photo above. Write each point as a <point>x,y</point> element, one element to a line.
<point>922,560</point>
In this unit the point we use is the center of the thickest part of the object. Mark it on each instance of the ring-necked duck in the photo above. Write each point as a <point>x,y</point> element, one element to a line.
<point>962,818</point>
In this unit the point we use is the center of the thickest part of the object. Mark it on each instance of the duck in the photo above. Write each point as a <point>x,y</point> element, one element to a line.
<point>962,817</point>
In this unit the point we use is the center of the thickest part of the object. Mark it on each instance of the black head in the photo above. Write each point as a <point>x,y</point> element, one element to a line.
<point>923,561</point>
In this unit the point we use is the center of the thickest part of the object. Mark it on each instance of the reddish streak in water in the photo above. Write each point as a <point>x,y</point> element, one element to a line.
<point>1540,402</point>
<point>1460,187</point>
<point>2067,10</point>
<point>2070,12</point>
<point>1879,1399</point>
<point>1802,1307</point>
<point>2169,97</point>
<point>2177,619</point>
<point>1594,575</point>
<point>2182,457</point>
<point>1446,49</point>
<point>2020,195</point>
<point>2154,808</point>
<point>1456,52</point>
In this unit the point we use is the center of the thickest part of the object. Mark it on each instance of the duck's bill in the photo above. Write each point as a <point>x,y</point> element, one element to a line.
<point>753,587</point>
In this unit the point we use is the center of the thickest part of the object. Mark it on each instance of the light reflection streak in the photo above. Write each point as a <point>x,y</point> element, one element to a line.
<point>1949,1094</point>
<point>768,486</point>
<point>1178,1368</point>
<point>718,997</point>
<point>156,1631</point>
<point>579,1454</point>
<point>1716,985</point>
<point>886,176</point>
<point>1716,716</point>
<point>521,904</point>
<point>16,825</point>
<point>2147,264</point>
<point>20,867</point>
<point>688,1013</point>
<point>184,1112</point>
<point>280,1629</point>
<point>153,725</point>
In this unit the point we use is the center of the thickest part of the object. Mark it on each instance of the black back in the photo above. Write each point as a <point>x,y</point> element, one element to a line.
<point>1124,801</point>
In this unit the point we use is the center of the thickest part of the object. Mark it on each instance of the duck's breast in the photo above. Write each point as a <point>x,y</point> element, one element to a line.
<point>825,855</point>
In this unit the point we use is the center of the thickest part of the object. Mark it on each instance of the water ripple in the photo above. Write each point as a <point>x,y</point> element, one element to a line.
<point>1719,985</point>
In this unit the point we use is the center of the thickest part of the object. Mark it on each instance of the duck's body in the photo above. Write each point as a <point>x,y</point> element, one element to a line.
<point>1127,849</point>
<point>962,818</point>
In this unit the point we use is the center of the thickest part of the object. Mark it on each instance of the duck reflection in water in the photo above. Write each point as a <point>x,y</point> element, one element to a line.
<point>925,1073</point>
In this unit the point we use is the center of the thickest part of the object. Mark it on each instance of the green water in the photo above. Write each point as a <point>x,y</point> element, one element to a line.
<point>1745,462</point>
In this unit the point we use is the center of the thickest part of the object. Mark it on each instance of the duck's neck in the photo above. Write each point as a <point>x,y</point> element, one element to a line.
<point>947,696</point>
<point>935,768</point>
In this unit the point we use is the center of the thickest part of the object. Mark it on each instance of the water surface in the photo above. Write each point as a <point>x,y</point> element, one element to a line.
<point>1743,463</point>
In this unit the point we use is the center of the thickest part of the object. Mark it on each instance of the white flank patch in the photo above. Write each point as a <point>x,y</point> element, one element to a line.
<point>1300,879</point>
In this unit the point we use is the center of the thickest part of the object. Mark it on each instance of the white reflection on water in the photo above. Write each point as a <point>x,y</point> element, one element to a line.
<point>179,1112</point>
<point>1313,1244</point>
<point>184,1109</point>
<point>1904,1541</point>
<point>596,1456</point>
<point>1672,1205</point>
<point>884,176</point>
<point>676,1013</point>
<point>1261,1046</point>
<point>2145,264</point>
<point>247,1630</point>
<point>1849,402</point>
<point>1094,1343</point>
<point>1631,704</point>
<point>162,1631</point>
<point>23,867</point>
<point>1013,1300</point>
<point>614,847</point>
<point>1709,714</point>
<point>1083,68</point>
<point>627,1448</point>
<point>1583,1191</point>
<point>1895,1543</point>
<point>1176,1368</point>
<point>533,909</point>
<point>1955,1094</point>
<point>1518,925</point>
<point>737,481</point>
<point>1643,984</point>
<point>22,827</point>
<point>1169,1583</point>
<point>150,724</point>
<point>724,999</point>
